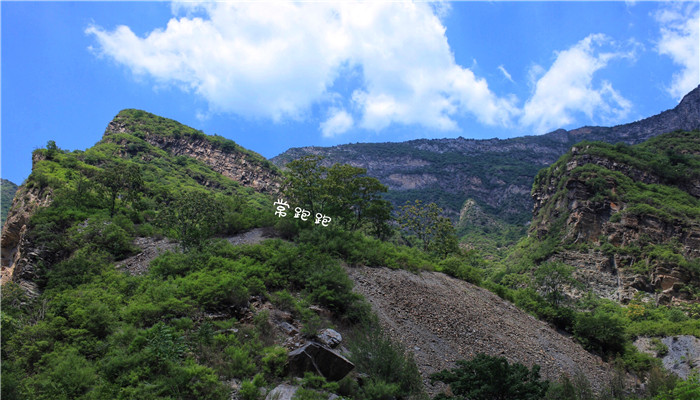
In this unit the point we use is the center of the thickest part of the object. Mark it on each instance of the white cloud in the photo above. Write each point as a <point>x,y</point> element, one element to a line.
<point>338,123</point>
<point>505,73</point>
<point>567,88</point>
<point>680,40</point>
<point>277,59</point>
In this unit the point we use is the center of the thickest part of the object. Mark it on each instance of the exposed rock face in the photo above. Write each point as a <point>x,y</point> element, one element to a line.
<point>495,173</point>
<point>567,205</point>
<point>19,257</point>
<point>236,165</point>
<point>683,355</point>
<point>441,319</point>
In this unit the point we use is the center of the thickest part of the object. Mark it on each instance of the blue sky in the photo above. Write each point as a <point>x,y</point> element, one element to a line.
<point>275,75</point>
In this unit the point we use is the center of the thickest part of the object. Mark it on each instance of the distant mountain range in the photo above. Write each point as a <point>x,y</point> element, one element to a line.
<point>497,175</point>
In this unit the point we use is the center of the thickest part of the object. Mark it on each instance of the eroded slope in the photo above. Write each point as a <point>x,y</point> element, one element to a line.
<point>443,319</point>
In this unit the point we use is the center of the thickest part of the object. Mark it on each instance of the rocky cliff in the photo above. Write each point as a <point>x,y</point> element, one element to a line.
<point>627,217</point>
<point>19,256</point>
<point>497,174</point>
<point>223,156</point>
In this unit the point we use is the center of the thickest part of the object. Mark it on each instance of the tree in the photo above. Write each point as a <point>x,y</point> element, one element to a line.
<point>193,217</point>
<point>121,178</point>
<point>551,277</point>
<point>492,378</point>
<point>303,182</point>
<point>342,192</point>
<point>51,149</point>
<point>435,232</point>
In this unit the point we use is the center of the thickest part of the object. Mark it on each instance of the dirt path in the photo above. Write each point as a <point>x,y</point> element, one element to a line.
<point>442,320</point>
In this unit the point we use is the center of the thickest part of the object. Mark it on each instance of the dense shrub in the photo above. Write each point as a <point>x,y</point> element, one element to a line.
<point>491,378</point>
<point>600,332</point>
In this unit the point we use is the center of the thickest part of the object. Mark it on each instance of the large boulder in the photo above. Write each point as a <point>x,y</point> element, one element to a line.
<point>315,357</point>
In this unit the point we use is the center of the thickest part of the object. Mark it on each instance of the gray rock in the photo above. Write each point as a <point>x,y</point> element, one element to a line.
<point>287,328</point>
<point>282,392</point>
<point>315,357</point>
<point>329,337</point>
<point>683,353</point>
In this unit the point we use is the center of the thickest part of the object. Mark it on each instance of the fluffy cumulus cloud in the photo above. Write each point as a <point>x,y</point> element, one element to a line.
<point>568,88</point>
<point>364,65</point>
<point>276,60</point>
<point>340,121</point>
<point>680,40</point>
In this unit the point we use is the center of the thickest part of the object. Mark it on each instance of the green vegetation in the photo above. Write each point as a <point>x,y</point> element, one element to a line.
<point>186,326</point>
<point>8,190</point>
<point>176,332</point>
<point>491,378</point>
<point>341,191</point>
<point>434,232</point>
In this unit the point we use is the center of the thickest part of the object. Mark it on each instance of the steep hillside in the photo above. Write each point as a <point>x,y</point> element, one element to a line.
<point>496,174</point>
<point>126,276</point>
<point>442,319</point>
<point>171,158</point>
<point>627,217</point>
<point>8,193</point>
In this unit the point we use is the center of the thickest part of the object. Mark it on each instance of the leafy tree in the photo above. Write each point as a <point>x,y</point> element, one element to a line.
<point>551,278</point>
<point>435,232</point>
<point>121,178</point>
<point>342,192</point>
<point>51,149</point>
<point>193,217</point>
<point>492,378</point>
<point>303,182</point>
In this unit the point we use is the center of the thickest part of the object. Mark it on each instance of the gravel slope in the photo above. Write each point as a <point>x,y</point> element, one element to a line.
<point>442,320</point>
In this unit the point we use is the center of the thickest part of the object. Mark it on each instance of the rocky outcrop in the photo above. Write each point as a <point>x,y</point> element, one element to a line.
<point>19,257</point>
<point>238,165</point>
<point>682,353</point>
<point>587,210</point>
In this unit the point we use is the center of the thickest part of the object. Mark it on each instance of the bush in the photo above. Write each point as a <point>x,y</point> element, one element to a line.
<point>659,347</point>
<point>459,268</point>
<point>240,363</point>
<point>274,360</point>
<point>390,366</point>
<point>65,375</point>
<point>492,378</point>
<point>600,332</point>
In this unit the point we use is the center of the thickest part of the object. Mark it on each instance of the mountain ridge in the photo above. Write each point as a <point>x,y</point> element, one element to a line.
<point>496,173</point>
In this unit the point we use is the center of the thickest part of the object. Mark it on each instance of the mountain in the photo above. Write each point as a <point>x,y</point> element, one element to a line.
<point>172,158</point>
<point>626,217</point>
<point>496,174</point>
<point>8,193</point>
<point>153,265</point>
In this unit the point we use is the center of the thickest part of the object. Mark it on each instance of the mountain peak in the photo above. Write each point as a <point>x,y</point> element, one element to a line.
<point>223,155</point>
